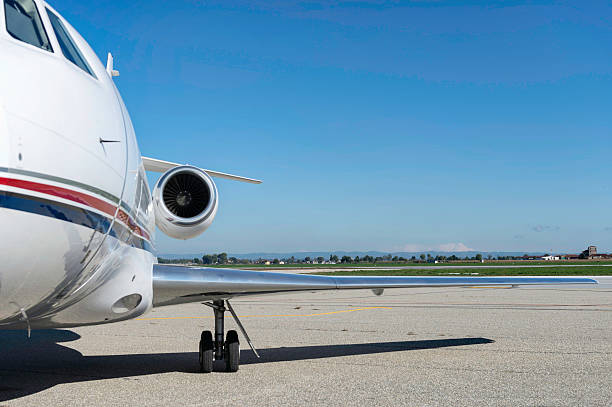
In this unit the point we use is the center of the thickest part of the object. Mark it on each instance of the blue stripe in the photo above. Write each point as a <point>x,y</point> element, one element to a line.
<point>72,214</point>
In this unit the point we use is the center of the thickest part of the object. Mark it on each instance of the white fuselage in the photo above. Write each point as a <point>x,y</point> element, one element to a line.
<point>75,209</point>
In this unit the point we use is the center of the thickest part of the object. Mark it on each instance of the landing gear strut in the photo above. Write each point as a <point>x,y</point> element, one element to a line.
<point>219,349</point>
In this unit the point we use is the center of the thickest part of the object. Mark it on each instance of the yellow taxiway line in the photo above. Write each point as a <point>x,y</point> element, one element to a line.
<point>264,316</point>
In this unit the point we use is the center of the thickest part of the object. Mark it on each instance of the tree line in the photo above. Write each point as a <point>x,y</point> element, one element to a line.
<point>222,258</point>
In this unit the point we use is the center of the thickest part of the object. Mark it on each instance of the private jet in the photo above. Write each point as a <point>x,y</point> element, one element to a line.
<point>78,217</point>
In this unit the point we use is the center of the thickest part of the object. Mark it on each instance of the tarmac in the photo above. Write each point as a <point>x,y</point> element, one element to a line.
<point>527,346</point>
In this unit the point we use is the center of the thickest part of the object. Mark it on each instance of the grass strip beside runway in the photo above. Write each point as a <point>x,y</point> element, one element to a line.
<point>482,271</point>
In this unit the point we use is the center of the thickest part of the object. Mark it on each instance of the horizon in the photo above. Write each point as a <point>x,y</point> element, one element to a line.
<point>326,253</point>
<point>374,124</point>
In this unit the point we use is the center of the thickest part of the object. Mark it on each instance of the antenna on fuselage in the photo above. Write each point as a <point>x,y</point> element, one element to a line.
<point>109,66</point>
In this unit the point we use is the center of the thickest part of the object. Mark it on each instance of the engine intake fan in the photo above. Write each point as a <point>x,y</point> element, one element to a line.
<point>186,201</point>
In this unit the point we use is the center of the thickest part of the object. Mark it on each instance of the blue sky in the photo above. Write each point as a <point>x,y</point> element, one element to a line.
<point>375,125</point>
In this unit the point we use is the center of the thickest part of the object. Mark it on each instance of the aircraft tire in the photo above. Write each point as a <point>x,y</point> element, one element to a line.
<point>206,352</point>
<point>232,351</point>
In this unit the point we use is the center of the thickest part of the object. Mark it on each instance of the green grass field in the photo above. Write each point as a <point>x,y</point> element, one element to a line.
<point>483,271</point>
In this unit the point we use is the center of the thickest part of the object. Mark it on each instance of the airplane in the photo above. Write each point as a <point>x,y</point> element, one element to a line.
<point>78,217</point>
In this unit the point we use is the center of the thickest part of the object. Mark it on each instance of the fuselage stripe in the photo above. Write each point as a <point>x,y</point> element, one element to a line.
<point>53,209</point>
<point>69,182</point>
<point>60,192</point>
<point>78,197</point>
<point>72,214</point>
<point>61,180</point>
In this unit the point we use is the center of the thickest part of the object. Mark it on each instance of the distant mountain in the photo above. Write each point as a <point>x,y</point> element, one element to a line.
<point>301,255</point>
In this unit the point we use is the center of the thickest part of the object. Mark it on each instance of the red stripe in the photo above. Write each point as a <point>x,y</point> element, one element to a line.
<point>78,197</point>
<point>64,193</point>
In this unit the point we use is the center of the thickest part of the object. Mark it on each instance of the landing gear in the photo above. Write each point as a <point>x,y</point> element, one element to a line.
<point>219,349</point>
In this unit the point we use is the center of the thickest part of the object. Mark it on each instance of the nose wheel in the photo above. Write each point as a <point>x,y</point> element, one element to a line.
<point>227,350</point>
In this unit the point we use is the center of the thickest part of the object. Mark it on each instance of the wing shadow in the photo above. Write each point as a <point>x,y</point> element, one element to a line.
<point>289,354</point>
<point>28,366</point>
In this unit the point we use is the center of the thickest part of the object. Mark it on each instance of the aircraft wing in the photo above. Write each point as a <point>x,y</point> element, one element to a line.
<point>155,165</point>
<point>178,284</point>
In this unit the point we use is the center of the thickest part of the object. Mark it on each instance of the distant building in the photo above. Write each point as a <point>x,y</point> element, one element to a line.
<point>528,257</point>
<point>551,258</point>
<point>590,253</point>
<point>570,256</point>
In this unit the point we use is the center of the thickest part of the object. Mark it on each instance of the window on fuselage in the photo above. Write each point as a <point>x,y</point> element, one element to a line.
<point>143,202</point>
<point>69,48</point>
<point>23,23</point>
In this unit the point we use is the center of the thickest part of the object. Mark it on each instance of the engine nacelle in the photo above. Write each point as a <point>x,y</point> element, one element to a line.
<point>185,199</point>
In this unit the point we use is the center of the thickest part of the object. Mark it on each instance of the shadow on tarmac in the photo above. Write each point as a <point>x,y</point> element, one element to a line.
<point>28,366</point>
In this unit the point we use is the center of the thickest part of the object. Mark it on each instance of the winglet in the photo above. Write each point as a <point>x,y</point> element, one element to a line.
<point>154,165</point>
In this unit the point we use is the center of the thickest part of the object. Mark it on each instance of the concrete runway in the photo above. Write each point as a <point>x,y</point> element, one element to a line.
<point>449,347</point>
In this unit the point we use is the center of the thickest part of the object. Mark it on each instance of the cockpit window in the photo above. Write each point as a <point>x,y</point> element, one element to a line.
<point>69,48</point>
<point>23,23</point>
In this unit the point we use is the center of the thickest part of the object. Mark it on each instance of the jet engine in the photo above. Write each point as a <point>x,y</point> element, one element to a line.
<point>185,199</point>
